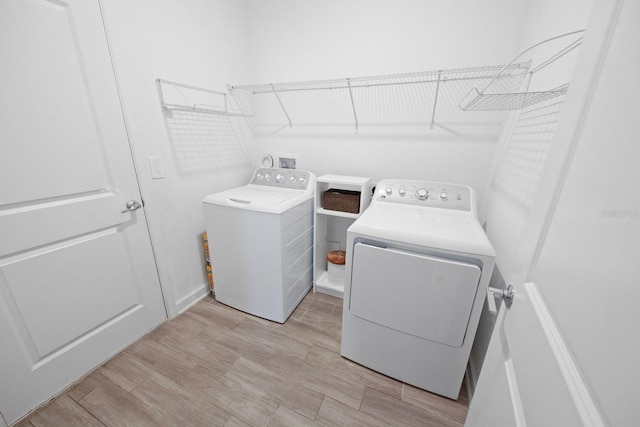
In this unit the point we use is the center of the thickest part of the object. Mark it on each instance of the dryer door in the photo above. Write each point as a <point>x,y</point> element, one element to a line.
<point>413,293</point>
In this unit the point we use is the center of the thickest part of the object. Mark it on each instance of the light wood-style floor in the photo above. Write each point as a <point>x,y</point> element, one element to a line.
<point>216,366</point>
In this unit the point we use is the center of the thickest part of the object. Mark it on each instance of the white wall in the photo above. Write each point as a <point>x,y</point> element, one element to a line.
<point>305,39</point>
<point>503,214</point>
<point>202,43</point>
<point>293,40</point>
<point>214,43</point>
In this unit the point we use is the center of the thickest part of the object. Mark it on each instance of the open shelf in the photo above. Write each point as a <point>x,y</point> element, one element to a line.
<point>330,231</point>
<point>206,109</point>
<point>330,212</point>
<point>181,97</point>
<point>493,100</point>
<point>422,100</point>
<point>323,285</point>
<point>476,101</point>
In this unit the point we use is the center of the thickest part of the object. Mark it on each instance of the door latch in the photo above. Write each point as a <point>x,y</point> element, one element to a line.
<point>505,295</point>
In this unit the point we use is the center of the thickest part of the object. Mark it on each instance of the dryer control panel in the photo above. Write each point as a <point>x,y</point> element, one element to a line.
<point>282,178</point>
<point>425,193</point>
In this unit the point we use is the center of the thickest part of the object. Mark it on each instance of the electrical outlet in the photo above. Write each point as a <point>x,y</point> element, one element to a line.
<point>287,162</point>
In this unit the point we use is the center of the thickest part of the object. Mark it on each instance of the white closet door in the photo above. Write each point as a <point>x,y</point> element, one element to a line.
<point>566,352</point>
<point>77,276</point>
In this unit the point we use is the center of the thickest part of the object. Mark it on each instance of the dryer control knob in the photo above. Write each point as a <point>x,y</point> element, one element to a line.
<point>259,176</point>
<point>388,190</point>
<point>292,178</point>
<point>402,191</point>
<point>279,177</point>
<point>444,197</point>
<point>422,194</point>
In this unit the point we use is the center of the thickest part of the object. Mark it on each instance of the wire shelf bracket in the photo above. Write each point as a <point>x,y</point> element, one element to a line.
<point>207,100</point>
<point>480,100</point>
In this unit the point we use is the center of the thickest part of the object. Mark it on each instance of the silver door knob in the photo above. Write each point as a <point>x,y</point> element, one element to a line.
<point>132,205</point>
<point>505,295</point>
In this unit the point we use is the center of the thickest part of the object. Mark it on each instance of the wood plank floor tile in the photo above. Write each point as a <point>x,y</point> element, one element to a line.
<point>297,395</point>
<point>324,297</point>
<point>275,336</point>
<point>210,299</point>
<point>234,422</point>
<point>182,406</point>
<point>126,371</point>
<point>216,366</point>
<point>64,411</point>
<point>456,410</point>
<point>285,389</point>
<point>200,349</point>
<point>328,359</point>
<point>318,305</point>
<point>169,361</point>
<point>286,418</point>
<point>324,321</point>
<point>322,381</point>
<point>334,413</point>
<point>113,406</point>
<point>397,412</point>
<point>86,386</point>
<point>305,327</point>
<point>239,344</point>
<point>253,409</point>
<point>217,314</point>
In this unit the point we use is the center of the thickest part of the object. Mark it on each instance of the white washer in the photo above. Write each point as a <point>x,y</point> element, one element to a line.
<point>418,265</point>
<point>261,242</point>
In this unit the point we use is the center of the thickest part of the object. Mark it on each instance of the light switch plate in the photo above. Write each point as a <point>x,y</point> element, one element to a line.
<point>157,168</point>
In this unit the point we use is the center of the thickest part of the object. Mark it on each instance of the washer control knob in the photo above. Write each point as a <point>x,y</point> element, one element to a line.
<point>259,176</point>
<point>402,191</point>
<point>267,177</point>
<point>422,194</point>
<point>279,177</point>
<point>301,179</point>
<point>444,197</point>
<point>292,179</point>
<point>388,190</point>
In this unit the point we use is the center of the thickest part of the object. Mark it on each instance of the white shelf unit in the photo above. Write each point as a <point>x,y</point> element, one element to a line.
<point>330,231</point>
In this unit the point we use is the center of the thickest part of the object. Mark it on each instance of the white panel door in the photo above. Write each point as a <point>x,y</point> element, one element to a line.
<point>77,275</point>
<point>566,352</point>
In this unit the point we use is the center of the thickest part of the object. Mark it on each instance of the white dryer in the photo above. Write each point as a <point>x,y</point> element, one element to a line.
<point>418,265</point>
<point>261,242</point>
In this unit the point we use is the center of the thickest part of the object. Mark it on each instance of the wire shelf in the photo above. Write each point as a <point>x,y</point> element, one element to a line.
<point>181,97</point>
<point>396,102</point>
<point>203,129</point>
<point>386,80</point>
<point>478,100</point>
<point>207,109</point>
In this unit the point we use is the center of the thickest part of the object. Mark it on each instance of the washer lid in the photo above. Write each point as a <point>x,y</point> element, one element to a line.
<point>263,199</point>
<point>427,227</point>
